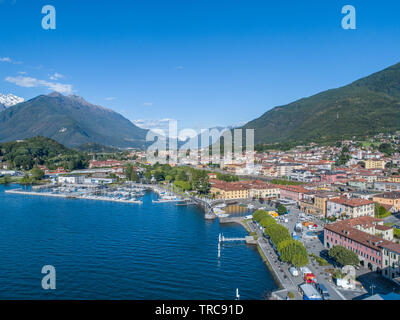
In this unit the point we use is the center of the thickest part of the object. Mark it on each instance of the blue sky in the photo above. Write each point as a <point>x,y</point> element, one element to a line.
<point>204,63</point>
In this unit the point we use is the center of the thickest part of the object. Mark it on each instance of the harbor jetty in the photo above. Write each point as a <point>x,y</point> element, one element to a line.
<point>69,196</point>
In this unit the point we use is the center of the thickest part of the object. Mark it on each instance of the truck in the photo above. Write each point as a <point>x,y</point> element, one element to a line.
<point>310,278</point>
<point>304,270</point>
<point>309,292</point>
<point>273,214</point>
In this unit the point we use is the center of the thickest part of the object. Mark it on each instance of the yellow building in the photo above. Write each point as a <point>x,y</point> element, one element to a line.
<point>375,164</point>
<point>320,201</point>
<point>229,191</point>
<point>265,191</point>
<point>390,199</point>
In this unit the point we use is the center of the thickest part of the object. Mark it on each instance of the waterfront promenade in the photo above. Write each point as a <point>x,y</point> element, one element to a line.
<point>282,276</point>
<point>278,268</point>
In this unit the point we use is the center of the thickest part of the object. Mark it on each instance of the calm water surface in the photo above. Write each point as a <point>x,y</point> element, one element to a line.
<point>105,250</point>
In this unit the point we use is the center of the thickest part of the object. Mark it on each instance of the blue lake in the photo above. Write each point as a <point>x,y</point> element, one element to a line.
<point>106,250</point>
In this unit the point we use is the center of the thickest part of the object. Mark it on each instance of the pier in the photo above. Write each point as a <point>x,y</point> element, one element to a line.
<point>222,239</point>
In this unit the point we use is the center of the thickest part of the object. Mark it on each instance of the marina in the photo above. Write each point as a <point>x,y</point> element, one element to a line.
<point>125,194</point>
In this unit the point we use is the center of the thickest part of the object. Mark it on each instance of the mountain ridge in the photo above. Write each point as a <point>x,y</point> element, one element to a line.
<point>69,120</point>
<point>366,106</point>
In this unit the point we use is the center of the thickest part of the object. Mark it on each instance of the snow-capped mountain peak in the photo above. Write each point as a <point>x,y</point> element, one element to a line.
<point>9,100</point>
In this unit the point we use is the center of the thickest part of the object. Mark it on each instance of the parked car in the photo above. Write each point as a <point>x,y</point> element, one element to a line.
<point>294,272</point>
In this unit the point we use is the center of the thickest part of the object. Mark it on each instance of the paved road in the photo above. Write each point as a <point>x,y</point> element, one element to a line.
<point>289,282</point>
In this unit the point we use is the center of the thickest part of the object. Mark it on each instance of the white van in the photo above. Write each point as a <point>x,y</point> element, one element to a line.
<point>294,272</point>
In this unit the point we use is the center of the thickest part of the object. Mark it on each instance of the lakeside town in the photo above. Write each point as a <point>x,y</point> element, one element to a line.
<point>316,210</point>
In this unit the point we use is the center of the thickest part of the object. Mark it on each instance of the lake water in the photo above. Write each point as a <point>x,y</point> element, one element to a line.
<point>106,250</point>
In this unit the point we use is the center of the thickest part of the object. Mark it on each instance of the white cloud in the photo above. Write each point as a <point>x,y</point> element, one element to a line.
<point>9,60</point>
<point>153,124</point>
<point>56,76</point>
<point>28,82</point>
<point>5,59</point>
<point>148,104</point>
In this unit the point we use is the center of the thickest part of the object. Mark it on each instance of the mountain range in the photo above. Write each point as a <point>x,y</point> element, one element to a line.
<point>69,120</point>
<point>367,106</point>
<point>9,100</point>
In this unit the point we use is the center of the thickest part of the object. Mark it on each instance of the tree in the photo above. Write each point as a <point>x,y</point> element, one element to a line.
<point>259,215</point>
<point>299,260</point>
<point>5,180</point>
<point>387,149</point>
<point>182,176</point>
<point>281,209</point>
<point>277,233</point>
<point>294,252</point>
<point>267,221</point>
<point>131,174</point>
<point>159,175</point>
<point>37,174</point>
<point>183,185</point>
<point>380,211</point>
<point>148,175</point>
<point>344,157</point>
<point>343,256</point>
<point>200,182</point>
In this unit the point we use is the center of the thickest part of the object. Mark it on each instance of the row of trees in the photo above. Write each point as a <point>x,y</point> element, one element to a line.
<point>227,177</point>
<point>291,251</point>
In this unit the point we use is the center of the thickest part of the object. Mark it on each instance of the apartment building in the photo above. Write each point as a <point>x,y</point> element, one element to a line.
<point>375,164</point>
<point>261,190</point>
<point>391,261</point>
<point>228,190</point>
<point>389,199</point>
<point>361,236</point>
<point>352,208</point>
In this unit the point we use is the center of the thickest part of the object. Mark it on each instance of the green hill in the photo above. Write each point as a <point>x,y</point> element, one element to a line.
<point>41,151</point>
<point>69,120</point>
<point>368,106</point>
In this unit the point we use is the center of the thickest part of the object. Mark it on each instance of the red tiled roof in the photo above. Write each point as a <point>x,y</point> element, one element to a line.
<point>359,236</point>
<point>351,202</point>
